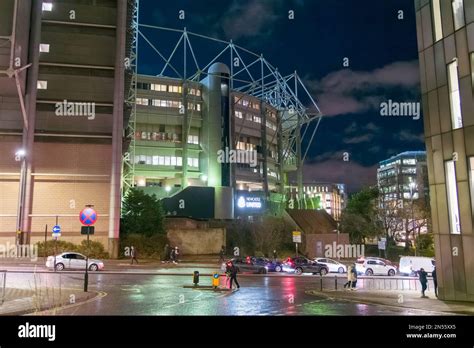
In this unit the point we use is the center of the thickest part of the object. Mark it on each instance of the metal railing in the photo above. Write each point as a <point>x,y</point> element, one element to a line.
<point>398,283</point>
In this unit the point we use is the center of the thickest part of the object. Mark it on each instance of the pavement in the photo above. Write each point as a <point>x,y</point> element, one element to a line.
<point>44,300</point>
<point>399,299</point>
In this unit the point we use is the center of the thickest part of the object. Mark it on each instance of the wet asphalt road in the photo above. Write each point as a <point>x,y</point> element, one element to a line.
<point>144,294</point>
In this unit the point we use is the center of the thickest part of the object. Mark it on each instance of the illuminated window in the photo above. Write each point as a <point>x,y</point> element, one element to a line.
<point>194,91</point>
<point>174,89</point>
<point>142,101</point>
<point>42,84</point>
<point>158,87</point>
<point>452,192</point>
<point>173,161</point>
<point>167,160</point>
<point>245,102</point>
<point>454,96</point>
<point>47,6</point>
<point>44,48</point>
<point>438,29</point>
<point>257,119</point>
<point>193,139</point>
<point>458,14</point>
<point>239,114</point>
<point>193,162</point>
<point>195,107</point>
<point>179,161</point>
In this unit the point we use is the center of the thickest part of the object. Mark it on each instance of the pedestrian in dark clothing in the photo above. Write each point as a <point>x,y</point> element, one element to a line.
<point>424,281</point>
<point>274,255</point>
<point>233,276</point>
<point>175,255</point>
<point>166,253</point>
<point>435,281</point>
<point>222,254</point>
<point>133,254</point>
<point>354,277</point>
<point>172,255</point>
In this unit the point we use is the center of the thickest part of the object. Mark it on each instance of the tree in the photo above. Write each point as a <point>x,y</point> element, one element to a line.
<point>142,214</point>
<point>359,219</point>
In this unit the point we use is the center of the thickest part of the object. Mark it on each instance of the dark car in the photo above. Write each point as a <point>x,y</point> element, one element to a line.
<point>270,265</point>
<point>247,265</point>
<point>301,265</point>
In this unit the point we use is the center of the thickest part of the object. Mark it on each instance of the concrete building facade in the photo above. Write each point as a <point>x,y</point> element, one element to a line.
<point>61,135</point>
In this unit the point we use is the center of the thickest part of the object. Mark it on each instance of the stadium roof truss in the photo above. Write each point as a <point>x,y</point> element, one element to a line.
<point>250,73</point>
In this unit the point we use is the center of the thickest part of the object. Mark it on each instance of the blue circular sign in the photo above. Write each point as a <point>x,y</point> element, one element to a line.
<point>57,229</point>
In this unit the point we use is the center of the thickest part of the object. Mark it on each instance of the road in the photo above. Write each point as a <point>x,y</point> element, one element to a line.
<point>141,293</point>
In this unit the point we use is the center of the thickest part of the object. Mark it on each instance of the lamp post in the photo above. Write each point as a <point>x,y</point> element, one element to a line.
<point>20,155</point>
<point>412,194</point>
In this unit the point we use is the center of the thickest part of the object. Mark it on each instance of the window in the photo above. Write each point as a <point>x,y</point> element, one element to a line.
<point>454,96</point>
<point>409,161</point>
<point>47,6</point>
<point>245,102</point>
<point>193,162</point>
<point>196,107</point>
<point>173,161</point>
<point>158,87</point>
<point>194,91</point>
<point>239,114</point>
<point>458,14</point>
<point>44,48</point>
<point>193,139</point>
<point>174,89</point>
<point>257,119</point>
<point>248,117</point>
<point>436,12</point>
<point>179,161</point>
<point>42,84</point>
<point>452,193</point>
<point>142,101</point>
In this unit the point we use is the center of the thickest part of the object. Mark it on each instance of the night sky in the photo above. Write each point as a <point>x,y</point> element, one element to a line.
<point>382,52</point>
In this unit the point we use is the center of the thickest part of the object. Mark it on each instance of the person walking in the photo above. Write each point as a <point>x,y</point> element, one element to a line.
<point>176,255</point>
<point>354,277</point>
<point>348,284</point>
<point>435,281</point>
<point>424,281</point>
<point>233,276</point>
<point>222,254</point>
<point>172,255</point>
<point>133,254</point>
<point>166,253</point>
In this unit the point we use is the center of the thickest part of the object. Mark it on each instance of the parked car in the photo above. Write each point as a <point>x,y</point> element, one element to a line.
<point>332,265</point>
<point>388,262</point>
<point>409,265</point>
<point>301,265</point>
<point>72,260</point>
<point>246,265</point>
<point>270,265</point>
<point>375,266</point>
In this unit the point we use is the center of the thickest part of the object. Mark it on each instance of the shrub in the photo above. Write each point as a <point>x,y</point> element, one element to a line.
<point>51,248</point>
<point>145,246</point>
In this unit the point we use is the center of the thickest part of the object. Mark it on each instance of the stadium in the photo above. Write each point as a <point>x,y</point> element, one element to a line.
<point>214,125</point>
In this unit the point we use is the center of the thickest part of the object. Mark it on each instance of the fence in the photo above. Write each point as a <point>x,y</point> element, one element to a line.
<point>3,282</point>
<point>398,283</point>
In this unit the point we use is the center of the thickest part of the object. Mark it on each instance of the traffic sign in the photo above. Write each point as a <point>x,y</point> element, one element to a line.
<point>57,229</point>
<point>88,216</point>
<point>296,237</point>
<point>87,230</point>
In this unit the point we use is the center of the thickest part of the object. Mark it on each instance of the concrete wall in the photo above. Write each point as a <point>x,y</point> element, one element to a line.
<point>312,241</point>
<point>198,241</point>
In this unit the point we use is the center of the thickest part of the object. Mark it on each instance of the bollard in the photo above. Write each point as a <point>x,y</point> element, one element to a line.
<point>196,278</point>
<point>335,282</point>
<point>215,280</point>
<point>321,282</point>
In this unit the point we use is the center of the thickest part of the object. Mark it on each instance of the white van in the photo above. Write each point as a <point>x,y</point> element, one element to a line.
<point>411,264</point>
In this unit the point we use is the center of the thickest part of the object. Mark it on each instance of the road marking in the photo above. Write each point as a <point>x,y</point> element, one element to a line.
<point>100,295</point>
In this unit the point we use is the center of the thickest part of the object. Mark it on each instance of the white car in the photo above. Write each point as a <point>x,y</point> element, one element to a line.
<point>332,265</point>
<point>72,260</point>
<point>375,267</point>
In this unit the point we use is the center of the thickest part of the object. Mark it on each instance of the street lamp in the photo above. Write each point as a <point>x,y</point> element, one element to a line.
<point>20,155</point>
<point>412,194</point>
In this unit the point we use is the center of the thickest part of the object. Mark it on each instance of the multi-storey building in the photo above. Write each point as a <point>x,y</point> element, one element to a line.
<point>403,177</point>
<point>445,30</point>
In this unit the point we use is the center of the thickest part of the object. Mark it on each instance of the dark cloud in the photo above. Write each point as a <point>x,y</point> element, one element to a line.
<point>348,92</point>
